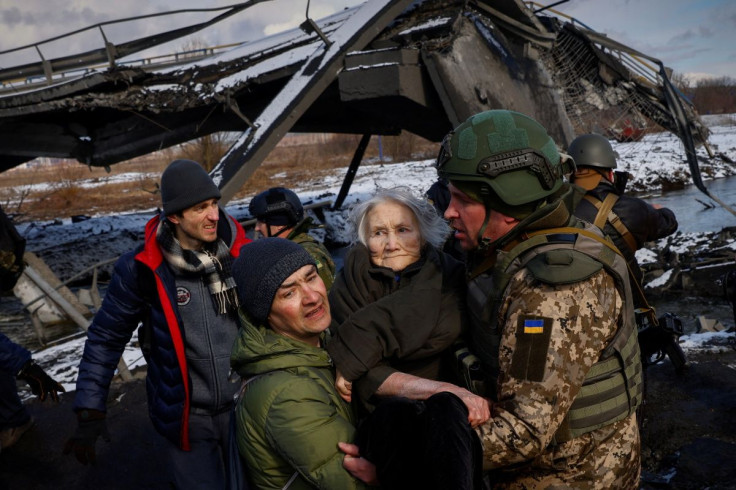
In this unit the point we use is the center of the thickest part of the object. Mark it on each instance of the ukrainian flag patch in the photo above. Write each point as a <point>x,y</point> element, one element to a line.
<point>529,359</point>
<point>533,326</point>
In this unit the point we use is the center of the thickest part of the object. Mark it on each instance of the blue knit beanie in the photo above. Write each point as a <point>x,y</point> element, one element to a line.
<point>261,268</point>
<point>185,183</point>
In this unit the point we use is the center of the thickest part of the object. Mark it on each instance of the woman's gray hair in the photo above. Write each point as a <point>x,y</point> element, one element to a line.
<point>432,228</point>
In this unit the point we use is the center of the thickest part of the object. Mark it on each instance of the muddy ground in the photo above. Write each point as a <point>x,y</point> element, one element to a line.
<point>688,430</point>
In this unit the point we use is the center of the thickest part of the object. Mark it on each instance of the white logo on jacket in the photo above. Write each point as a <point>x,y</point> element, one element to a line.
<point>183,296</point>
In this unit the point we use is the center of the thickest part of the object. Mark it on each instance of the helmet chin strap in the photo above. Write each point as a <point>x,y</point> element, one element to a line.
<point>484,243</point>
<point>278,233</point>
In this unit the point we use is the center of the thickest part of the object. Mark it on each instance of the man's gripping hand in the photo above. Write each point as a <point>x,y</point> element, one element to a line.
<point>359,467</point>
<point>91,426</point>
<point>41,383</point>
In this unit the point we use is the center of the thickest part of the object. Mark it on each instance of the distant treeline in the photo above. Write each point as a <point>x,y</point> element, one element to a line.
<point>710,96</point>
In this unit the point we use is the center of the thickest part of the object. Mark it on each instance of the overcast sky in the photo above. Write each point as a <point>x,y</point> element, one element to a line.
<point>695,38</point>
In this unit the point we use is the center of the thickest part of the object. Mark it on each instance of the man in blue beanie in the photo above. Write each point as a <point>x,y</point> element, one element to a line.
<point>290,417</point>
<point>179,285</point>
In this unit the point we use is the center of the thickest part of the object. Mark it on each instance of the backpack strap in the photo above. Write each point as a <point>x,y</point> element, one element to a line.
<point>605,213</point>
<point>603,208</point>
<point>291,480</point>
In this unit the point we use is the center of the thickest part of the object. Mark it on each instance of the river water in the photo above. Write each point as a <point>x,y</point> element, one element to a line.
<point>693,216</point>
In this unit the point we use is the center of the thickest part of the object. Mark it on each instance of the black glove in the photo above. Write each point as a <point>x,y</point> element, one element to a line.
<point>91,426</point>
<point>41,383</point>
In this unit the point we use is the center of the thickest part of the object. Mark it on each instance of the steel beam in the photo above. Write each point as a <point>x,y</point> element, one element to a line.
<point>304,87</point>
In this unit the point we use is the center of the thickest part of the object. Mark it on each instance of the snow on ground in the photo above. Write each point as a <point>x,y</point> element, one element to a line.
<point>88,183</point>
<point>661,156</point>
<point>707,342</point>
<point>657,154</point>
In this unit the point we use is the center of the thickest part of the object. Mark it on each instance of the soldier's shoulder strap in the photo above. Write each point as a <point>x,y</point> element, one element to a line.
<point>605,213</point>
<point>552,232</point>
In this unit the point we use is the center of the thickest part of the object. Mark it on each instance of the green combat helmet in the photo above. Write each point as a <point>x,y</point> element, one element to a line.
<point>505,160</point>
<point>592,150</point>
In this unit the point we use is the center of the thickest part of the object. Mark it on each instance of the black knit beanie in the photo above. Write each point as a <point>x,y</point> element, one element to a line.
<point>185,183</point>
<point>261,268</point>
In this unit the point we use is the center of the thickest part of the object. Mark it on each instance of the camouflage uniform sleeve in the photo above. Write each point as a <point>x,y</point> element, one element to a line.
<point>551,336</point>
<point>325,264</point>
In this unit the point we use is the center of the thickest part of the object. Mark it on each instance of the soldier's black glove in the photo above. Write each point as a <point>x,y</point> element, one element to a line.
<point>41,383</point>
<point>91,426</point>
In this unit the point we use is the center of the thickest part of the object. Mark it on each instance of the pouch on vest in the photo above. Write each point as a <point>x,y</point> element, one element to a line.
<point>468,368</point>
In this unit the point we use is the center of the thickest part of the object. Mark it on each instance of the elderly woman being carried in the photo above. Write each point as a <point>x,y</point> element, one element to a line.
<point>398,305</point>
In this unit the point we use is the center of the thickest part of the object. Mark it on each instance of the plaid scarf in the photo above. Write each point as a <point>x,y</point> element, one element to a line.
<point>213,262</point>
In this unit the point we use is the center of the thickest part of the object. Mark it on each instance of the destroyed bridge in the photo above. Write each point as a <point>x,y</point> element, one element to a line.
<point>376,69</point>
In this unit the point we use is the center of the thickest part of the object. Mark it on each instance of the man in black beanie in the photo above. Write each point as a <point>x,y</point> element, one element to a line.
<point>179,285</point>
<point>290,417</point>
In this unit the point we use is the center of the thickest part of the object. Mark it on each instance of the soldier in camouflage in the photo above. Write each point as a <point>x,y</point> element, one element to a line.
<point>279,213</point>
<point>551,309</point>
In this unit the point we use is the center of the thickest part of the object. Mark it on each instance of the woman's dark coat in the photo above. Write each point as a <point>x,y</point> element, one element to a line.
<point>386,321</point>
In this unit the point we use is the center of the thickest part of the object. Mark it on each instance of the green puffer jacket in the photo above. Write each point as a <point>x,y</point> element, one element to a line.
<point>290,418</point>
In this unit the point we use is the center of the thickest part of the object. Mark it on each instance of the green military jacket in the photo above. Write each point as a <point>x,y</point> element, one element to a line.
<point>289,416</point>
<point>325,264</point>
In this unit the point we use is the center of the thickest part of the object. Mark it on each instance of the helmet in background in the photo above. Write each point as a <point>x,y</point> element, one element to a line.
<point>592,150</point>
<point>277,206</point>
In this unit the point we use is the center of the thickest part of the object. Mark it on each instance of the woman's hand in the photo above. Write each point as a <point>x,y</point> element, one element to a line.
<point>344,387</point>
<point>414,388</point>
<point>479,408</point>
<point>360,468</point>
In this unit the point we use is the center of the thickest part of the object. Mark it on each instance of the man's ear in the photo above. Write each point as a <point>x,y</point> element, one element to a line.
<point>173,218</point>
<point>509,220</point>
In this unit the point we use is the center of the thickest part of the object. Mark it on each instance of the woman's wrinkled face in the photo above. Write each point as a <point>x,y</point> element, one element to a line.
<point>393,236</point>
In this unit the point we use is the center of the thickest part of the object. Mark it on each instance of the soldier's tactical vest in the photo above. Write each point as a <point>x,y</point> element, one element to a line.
<point>612,390</point>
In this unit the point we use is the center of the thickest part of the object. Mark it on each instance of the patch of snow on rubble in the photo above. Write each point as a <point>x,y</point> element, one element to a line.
<point>710,342</point>
<point>661,280</point>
